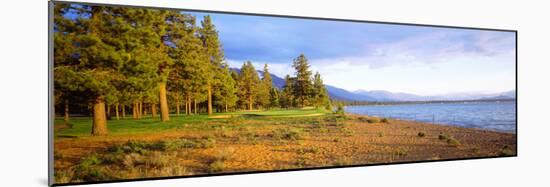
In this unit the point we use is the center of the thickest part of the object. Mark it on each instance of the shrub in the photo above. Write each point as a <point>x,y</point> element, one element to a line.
<point>373,120</point>
<point>421,134</point>
<point>401,152</point>
<point>88,169</point>
<point>207,142</point>
<point>453,141</point>
<point>313,150</point>
<point>133,159</point>
<point>216,166</point>
<point>506,151</point>
<point>443,136</point>
<point>224,154</point>
<point>158,159</point>
<point>380,134</point>
<point>348,132</point>
<point>385,120</point>
<point>288,134</point>
<point>63,176</point>
<point>301,161</point>
<point>336,140</point>
<point>340,110</point>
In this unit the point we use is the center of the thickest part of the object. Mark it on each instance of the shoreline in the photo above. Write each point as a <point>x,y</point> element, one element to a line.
<point>462,125</point>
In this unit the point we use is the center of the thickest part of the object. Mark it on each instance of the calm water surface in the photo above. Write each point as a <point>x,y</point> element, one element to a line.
<point>499,116</point>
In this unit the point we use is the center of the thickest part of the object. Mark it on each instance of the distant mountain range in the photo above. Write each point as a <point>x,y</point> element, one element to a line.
<point>381,95</point>
<point>385,96</point>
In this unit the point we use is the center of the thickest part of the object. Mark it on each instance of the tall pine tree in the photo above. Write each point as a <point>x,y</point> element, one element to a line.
<point>214,53</point>
<point>263,97</point>
<point>248,83</point>
<point>321,98</point>
<point>303,86</point>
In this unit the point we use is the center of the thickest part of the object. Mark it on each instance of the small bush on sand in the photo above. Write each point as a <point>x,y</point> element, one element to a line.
<point>373,120</point>
<point>506,151</point>
<point>443,136</point>
<point>88,169</point>
<point>421,134</point>
<point>452,141</point>
<point>340,122</point>
<point>313,150</point>
<point>385,120</point>
<point>401,152</point>
<point>207,142</point>
<point>380,134</point>
<point>340,110</point>
<point>216,166</point>
<point>323,130</point>
<point>301,162</point>
<point>224,154</point>
<point>158,159</point>
<point>288,134</point>
<point>348,132</point>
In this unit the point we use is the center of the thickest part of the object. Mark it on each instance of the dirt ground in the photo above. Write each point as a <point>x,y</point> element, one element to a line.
<point>255,149</point>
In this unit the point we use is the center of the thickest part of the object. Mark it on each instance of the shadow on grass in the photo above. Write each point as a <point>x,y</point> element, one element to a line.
<point>66,136</point>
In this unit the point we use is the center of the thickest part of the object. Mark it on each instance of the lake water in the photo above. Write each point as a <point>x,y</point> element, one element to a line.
<point>499,116</point>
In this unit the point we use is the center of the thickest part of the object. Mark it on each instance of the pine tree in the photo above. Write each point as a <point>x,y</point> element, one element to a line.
<point>227,91</point>
<point>274,95</point>
<point>248,84</point>
<point>191,67</point>
<point>303,86</point>
<point>321,97</point>
<point>287,95</point>
<point>96,70</point>
<point>264,89</point>
<point>214,53</point>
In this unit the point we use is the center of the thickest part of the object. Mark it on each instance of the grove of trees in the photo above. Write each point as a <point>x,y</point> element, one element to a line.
<point>109,61</point>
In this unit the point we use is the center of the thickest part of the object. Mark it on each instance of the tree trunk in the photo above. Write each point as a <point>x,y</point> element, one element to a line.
<point>99,122</point>
<point>209,99</point>
<point>145,110</point>
<point>226,107</point>
<point>116,111</point>
<point>163,102</point>
<point>123,111</point>
<point>249,102</point>
<point>195,108</point>
<point>140,109</point>
<point>187,106</point>
<point>154,110</point>
<point>66,117</point>
<point>134,110</point>
<point>108,112</point>
<point>177,107</point>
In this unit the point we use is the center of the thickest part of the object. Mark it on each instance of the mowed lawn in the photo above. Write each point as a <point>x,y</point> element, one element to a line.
<point>82,126</point>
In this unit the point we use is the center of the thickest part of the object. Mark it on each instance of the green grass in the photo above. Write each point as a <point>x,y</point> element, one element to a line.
<point>82,126</point>
<point>277,113</point>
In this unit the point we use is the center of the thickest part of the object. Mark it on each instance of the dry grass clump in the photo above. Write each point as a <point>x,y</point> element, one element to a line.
<point>506,151</point>
<point>288,134</point>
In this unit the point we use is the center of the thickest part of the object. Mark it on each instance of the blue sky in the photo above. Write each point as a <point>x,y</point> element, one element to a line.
<point>367,56</point>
